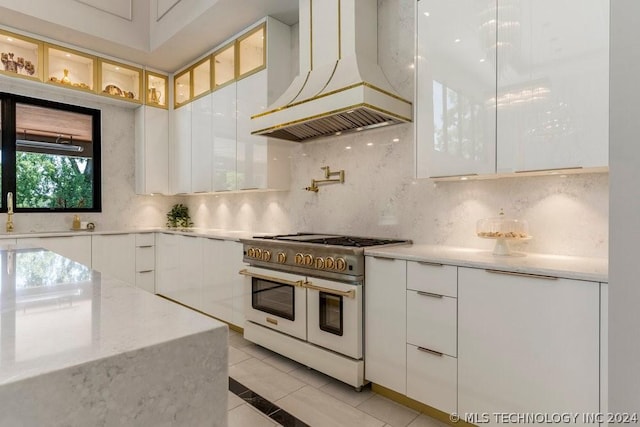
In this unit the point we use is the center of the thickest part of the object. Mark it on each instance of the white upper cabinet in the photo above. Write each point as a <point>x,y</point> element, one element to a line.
<point>456,84</point>
<point>201,144</point>
<point>553,84</point>
<point>261,162</point>
<point>180,149</point>
<point>152,150</point>
<point>511,86</point>
<point>223,173</point>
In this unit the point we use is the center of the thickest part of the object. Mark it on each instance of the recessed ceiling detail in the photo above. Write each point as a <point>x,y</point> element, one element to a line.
<point>163,7</point>
<point>120,8</point>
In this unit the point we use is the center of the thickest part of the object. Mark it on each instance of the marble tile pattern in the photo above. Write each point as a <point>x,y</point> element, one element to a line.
<point>81,349</point>
<point>380,196</point>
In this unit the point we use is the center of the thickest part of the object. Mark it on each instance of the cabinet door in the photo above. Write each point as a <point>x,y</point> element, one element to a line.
<point>152,150</point>
<point>553,80</point>
<point>167,263</point>
<point>201,144</point>
<point>456,87</point>
<point>385,322</point>
<point>224,138</point>
<point>252,150</point>
<point>115,256</point>
<point>527,344</point>
<point>180,148</point>
<point>76,248</point>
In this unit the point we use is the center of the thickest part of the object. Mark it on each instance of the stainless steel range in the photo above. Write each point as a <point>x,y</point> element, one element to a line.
<point>304,299</point>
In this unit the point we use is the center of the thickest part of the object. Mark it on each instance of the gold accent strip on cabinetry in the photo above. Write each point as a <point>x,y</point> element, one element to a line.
<point>339,30</point>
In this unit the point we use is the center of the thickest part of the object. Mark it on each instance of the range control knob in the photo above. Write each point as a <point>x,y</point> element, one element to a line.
<point>341,264</point>
<point>282,257</point>
<point>319,263</point>
<point>299,259</point>
<point>266,255</point>
<point>308,259</point>
<point>251,252</point>
<point>258,253</point>
<point>329,263</point>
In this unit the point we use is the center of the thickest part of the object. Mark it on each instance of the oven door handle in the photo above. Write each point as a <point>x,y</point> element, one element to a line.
<point>349,294</point>
<point>298,283</point>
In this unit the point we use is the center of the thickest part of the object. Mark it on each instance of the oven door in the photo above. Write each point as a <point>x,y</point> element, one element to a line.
<point>335,316</point>
<point>276,300</point>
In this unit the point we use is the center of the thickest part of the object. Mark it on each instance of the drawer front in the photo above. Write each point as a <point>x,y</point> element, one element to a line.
<point>434,278</point>
<point>432,322</point>
<point>146,280</point>
<point>432,379</point>
<point>145,258</point>
<point>146,239</point>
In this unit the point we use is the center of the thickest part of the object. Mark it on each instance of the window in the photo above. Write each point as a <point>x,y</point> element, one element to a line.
<point>50,155</point>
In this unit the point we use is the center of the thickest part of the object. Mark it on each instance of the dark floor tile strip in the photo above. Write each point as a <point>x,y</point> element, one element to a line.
<point>263,405</point>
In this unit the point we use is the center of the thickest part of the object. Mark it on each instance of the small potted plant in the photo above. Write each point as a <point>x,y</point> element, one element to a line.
<point>178,217</point>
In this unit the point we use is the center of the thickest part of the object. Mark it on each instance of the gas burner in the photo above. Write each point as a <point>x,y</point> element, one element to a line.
<point>333,240</point>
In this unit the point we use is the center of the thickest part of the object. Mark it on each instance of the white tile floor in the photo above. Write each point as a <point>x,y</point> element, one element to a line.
<point>314,398</point>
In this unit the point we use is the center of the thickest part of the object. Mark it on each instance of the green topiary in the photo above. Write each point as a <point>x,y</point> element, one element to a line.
<point>178,217</point>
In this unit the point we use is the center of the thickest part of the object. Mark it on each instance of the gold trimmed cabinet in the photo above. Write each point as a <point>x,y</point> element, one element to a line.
<point>211,146</point>
<point>152,137</point>
<point>480,342</point>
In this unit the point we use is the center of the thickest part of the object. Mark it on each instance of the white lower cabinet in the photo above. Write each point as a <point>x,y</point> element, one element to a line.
<point>527,344</point>
<point>114,256</point>
<point>202,273</point>
<point>146,262</point>
<point>385,323</point>
<point>76,248</point>
<point>432,378</point>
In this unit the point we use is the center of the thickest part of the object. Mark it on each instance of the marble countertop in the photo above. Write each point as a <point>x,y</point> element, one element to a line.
<point>211,233</point>
<point>56,313</point>
<point>591,269</point>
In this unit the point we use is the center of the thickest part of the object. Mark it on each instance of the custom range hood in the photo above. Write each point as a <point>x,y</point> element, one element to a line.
<point>340,87</point>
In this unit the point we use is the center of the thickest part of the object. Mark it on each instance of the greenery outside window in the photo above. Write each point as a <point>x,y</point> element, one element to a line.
<point>50,155</point>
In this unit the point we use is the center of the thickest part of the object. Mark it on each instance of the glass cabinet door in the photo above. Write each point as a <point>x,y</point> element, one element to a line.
<point>201,75</point>
<point>224,66</point>
<point>182,88</point>
<point>251,51</point>
<point>21,56</point>
<point>120,81</point>
<point>156,89</point>
<point>70,68</point>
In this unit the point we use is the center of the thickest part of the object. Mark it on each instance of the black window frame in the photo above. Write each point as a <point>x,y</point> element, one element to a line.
<point>9,101</point>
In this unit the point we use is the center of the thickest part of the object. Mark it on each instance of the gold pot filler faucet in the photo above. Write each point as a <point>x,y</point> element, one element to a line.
<point>328,180</point>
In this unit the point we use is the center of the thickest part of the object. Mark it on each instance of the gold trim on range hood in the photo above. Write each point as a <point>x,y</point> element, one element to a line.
<point>340,98</point>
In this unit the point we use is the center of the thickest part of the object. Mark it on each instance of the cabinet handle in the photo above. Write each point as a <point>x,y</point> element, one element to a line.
<point>548,170</point>
<point>249,188</point>
<point>145,246</point>
<point>384,258</point>
<point>426,350</point>
<point>434,264</point>
<point>272,320</point>
<point>513,273</point>
<point>146,271</point>
<point>429,294</point>
<point>453,176</point>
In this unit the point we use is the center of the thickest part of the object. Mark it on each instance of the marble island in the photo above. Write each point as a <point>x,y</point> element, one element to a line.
<point>78,348</point>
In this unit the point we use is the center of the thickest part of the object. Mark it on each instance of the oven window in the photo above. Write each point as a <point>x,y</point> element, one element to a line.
<point>274,298</point>
<point>331,313</point>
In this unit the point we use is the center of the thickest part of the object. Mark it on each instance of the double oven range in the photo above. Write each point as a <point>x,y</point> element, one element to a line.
<point>304,299</point>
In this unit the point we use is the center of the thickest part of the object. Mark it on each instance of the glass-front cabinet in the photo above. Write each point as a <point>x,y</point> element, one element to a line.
<point>156,89</point>
<point>224,66</point>
<point>201,76</point>
<point>69,68</point>
<point>182,88</point>
<point>21,56</point>
<point>120,81</point>
<point>252,52</point>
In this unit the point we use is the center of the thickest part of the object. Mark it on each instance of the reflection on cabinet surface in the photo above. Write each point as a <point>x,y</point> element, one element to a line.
<point>553,85</point>
<point>152,150</point>
<point>223,168</point>
<point>549,108</point>
<point>455,126</point>
<point>201,144</point>
<point>180,150</point>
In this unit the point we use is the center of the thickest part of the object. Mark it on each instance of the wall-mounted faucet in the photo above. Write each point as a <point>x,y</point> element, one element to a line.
<point>328,180</point>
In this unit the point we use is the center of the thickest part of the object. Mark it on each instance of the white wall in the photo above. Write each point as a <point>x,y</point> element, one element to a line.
<point>121,207</point>
<point>624,154</point>
<point>567,215</point>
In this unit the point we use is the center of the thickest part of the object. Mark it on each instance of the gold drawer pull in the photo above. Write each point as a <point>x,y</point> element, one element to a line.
<point>246,272</point>
<point>272,320</point>
<point>429,294</point>
<point>348,294</point>
<point>426,350</point>
<point>513,273</point>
